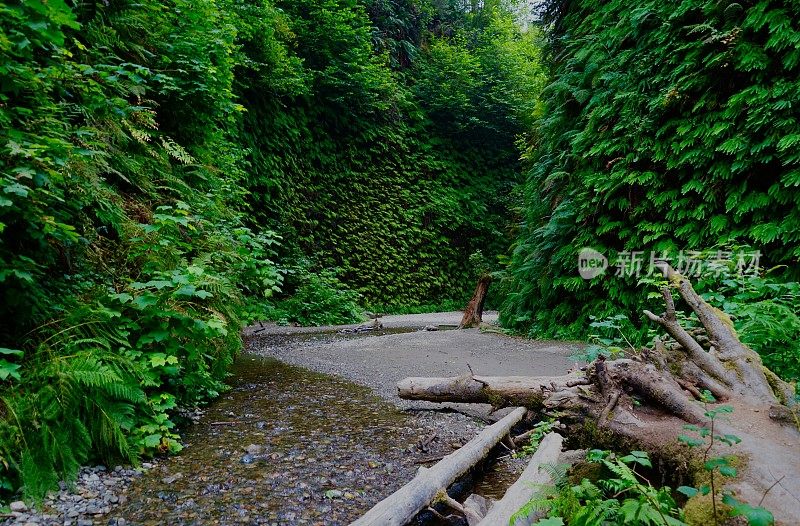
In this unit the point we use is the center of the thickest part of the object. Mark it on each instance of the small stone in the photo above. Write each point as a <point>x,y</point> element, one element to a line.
<point>72,513</point>
<point>147,465</point>
<point>172,478</point>
<point>85,522</point>
<point>31,523</point>
<point>247,458</point>
<point>253,449</point>
<point>18,506</point>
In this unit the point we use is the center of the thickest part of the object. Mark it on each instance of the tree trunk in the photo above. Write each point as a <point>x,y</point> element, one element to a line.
<point>649,397</point>
<point>400,507</point>
<point>473,312</point>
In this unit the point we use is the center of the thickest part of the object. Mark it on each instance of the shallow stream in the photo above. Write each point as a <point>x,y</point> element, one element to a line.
<point>285,446</point>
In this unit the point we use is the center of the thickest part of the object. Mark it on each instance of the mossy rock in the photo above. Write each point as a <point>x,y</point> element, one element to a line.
<point>699,511</point>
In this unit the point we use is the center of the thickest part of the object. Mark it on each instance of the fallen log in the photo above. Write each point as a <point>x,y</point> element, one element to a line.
<point>495,390</point>
<point>648,397</point>
<point>400,507</point>
<point>532,480</point>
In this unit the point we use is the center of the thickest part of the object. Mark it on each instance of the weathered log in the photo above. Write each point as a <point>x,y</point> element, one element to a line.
<point>400,507</point>
<point>533,479</point>
<point>473,312</point>
<point>510,390</point>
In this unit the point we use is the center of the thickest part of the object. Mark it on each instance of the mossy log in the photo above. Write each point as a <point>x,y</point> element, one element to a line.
<point>649,396</point>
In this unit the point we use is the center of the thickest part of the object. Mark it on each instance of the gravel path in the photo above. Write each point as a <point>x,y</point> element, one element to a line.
<point>380,361</point>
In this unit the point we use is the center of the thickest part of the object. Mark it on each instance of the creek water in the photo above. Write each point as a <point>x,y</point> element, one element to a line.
<point>285,446</point>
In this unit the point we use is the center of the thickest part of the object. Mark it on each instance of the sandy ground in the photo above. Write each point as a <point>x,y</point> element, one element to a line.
<point>381,361</point>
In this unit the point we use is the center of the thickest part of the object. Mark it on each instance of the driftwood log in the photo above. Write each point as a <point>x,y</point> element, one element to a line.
<point>400,507</point>
<point>649,396</point>
<point>532,480</point>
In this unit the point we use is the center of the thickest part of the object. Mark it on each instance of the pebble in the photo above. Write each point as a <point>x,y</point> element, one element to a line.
<point>253,449</point>
<point>18,506</point>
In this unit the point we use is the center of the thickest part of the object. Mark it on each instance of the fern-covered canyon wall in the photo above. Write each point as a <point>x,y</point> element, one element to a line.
<point>666,127</point>
<point>171,170</point>
<point>390,154</point>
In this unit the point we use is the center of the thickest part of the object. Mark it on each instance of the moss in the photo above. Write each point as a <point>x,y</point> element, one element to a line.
<point>699,511</point>
<point>774,383</point>
<point>585,470</point>
<point>495,399</point>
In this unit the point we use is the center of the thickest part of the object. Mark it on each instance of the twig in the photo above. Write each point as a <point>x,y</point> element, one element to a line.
<point>472,374</point>
<point>430,459</point>
<point>436,513</point>
<point>764,496</point>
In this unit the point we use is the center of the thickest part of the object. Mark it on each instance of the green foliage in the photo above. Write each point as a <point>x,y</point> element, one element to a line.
<point>123,253</point>
<point>671,128</point>
<point>367,167</point>
<point>161,161</point>
<point>318,299</point>
<point>540,429</point>
<point>765,311</point>
<point>622,497</point>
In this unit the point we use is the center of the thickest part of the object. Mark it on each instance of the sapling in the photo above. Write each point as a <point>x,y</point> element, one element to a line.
<point>706,438</point>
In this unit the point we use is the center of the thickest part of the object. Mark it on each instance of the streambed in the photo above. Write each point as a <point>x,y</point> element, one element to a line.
<point>288,446</point>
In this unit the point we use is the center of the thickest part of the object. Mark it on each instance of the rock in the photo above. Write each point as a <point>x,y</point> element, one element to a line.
<point>247,458</point>
<point>253,449</point>
<point>147,465</point>
<point>85,522</point>
<point>18,506</point>
<point>431,328</point>
<point>172,478</point>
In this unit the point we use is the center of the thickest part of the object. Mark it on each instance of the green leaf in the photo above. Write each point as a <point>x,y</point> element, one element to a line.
<point>158,359</point>
<point>11,352</point>
<point>151,441</point>
<point>688,491</point>
<point>9,370</point>
<point>756,516</point>
<point>691,441</point>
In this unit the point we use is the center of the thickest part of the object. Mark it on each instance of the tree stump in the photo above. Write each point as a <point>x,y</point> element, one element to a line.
<point>473,312</point>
